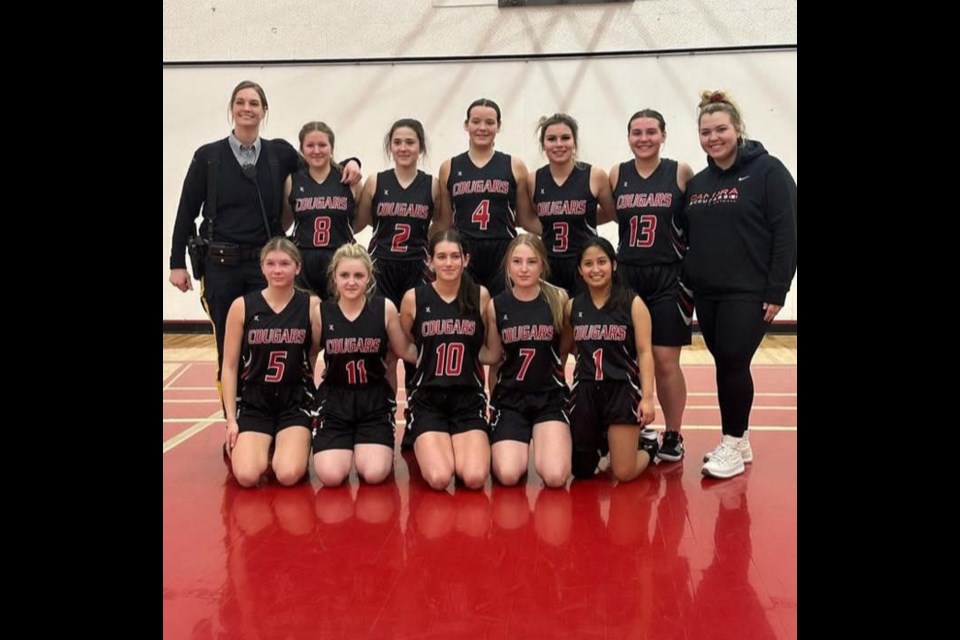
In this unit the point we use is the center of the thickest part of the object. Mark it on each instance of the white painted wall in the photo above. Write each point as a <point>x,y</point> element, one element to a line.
<point>359,101</point>
<point>215,30</point>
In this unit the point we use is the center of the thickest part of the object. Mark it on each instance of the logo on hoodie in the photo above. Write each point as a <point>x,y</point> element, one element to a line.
<point>721,196</point>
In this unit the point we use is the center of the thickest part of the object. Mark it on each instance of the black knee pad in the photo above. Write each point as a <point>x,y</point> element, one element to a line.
<point>585,463</point>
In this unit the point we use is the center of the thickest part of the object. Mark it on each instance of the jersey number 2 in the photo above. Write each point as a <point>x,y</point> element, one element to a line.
<point>399,239</point>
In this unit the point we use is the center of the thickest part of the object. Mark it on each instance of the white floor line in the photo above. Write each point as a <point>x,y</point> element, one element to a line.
<point>186,434</point>
<point>176,376</point>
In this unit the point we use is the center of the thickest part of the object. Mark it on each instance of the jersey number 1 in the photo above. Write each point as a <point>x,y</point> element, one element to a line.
<point>598,364</point>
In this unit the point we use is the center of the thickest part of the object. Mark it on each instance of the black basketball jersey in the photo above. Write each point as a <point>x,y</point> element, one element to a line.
<point>448,344</point>
<point>401,217</point>
<point>568,213</point>
<point>276,346</point>
<point>354,353</point>
<point>606,345</point>
<point>531,345</point>
<point>322,213</point>
<point>648,211</point>
<point>484,200</point>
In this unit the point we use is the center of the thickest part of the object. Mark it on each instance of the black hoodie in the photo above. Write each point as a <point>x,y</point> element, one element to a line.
<point>742,228</point>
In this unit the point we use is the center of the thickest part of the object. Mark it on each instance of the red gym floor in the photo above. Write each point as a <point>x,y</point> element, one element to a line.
<point>669,555</point>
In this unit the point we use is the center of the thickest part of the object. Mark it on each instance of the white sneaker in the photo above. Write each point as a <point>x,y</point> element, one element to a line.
<point>725,461</point>
<point>743,444</point>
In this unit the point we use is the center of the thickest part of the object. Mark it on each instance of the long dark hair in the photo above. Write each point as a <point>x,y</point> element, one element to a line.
<point>468,295</point>
<point>621,297</point>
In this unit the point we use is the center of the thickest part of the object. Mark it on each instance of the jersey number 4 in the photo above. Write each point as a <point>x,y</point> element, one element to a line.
<point>481,215</point>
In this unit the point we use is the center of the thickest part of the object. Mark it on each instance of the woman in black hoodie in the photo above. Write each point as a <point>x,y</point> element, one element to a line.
<point>741,219</point>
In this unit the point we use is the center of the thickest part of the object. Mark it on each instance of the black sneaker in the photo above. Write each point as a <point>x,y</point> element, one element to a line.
<point>649,443</point>
<point>672,448</point>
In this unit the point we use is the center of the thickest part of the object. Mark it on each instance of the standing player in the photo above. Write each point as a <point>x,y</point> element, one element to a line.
<point>649,198</point>
<point>356,411</point>
<point>741,213</point>
<point>611,399</point>
<point>275,333</point>
<point>530,397</point>
<point>484,196</point>
<point>320,208</point>
<point>565,194</point>
<point>447,408</point>
<point>399,203</point>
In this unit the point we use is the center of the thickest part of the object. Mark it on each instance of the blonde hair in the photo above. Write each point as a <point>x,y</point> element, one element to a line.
<point>280,243</point>
<point>719,101</point>
<point>350,252</point>
<point>548,293</point>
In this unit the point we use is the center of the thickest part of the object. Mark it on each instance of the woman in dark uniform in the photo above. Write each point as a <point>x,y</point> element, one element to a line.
<point>238,182</point>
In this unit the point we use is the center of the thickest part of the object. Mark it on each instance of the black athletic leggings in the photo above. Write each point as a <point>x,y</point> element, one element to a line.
<point>732,330</point>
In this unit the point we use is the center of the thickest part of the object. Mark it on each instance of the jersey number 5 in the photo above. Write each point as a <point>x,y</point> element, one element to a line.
<point>276,366</point>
